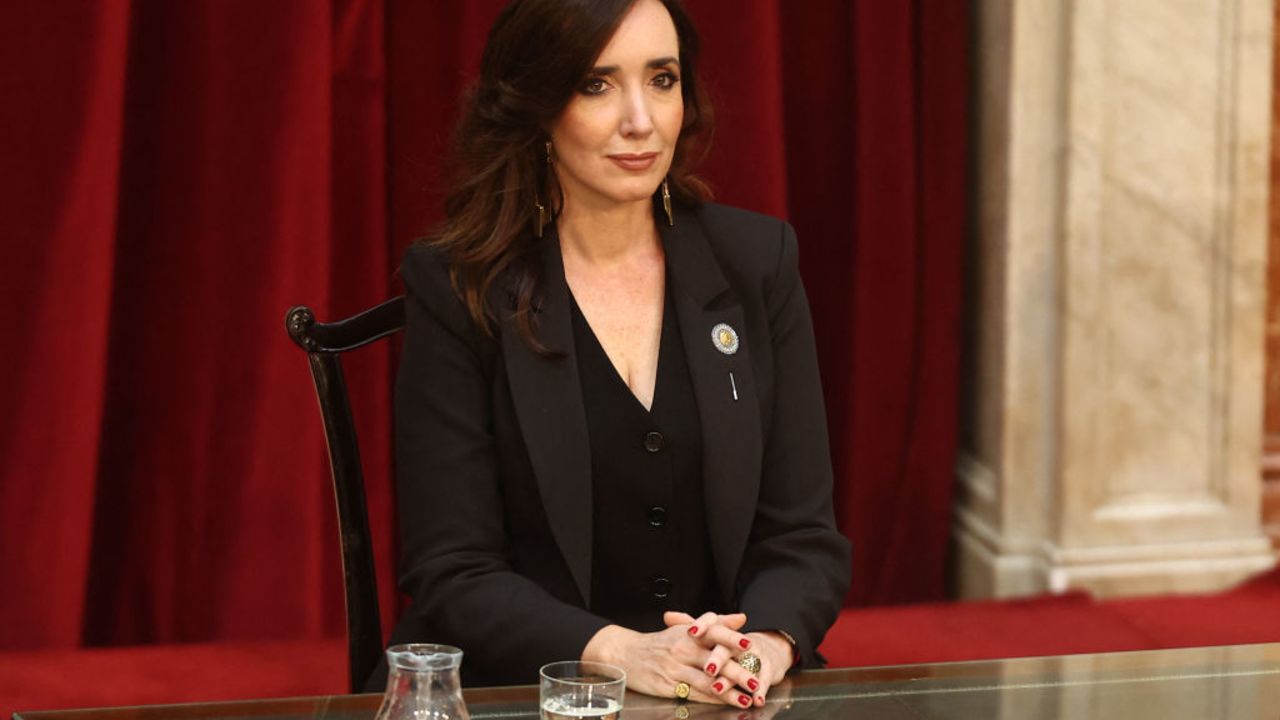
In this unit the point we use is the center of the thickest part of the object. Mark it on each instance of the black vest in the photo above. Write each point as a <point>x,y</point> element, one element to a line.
<point>651,550</point>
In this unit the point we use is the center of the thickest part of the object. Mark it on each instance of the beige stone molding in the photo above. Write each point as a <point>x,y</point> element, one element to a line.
<point>1113,429</point>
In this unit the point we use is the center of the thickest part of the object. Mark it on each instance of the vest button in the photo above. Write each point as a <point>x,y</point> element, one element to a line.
<point>661,587</point>
<point>653,441</point>
<point>657,516</point>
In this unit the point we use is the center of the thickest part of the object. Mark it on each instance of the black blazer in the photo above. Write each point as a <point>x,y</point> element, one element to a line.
<point>494,468</point>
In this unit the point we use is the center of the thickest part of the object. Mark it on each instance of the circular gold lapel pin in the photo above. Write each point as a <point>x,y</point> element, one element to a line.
<point>725,338</point>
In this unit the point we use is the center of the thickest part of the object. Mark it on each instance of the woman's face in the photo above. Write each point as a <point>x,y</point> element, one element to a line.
<point>615,140</point>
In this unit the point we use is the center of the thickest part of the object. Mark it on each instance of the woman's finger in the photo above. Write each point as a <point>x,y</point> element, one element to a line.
<point>742,678</point>
<point>703,689</point>
<point>671,618</point>
<point>709,629</point>
<point>774,653</point>
<point>716,660</point>
<point>762,689</point>
<point>702,624</point>
<point>726,690</point>
<point>779,699</point>
<point>724,634</point>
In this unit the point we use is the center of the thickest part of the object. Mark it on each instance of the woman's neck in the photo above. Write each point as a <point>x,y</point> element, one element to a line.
<point>606,236</point>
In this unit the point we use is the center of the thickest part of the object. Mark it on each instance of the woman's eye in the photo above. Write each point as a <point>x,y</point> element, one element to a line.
<point>666,80</point>
<point>594,86</point>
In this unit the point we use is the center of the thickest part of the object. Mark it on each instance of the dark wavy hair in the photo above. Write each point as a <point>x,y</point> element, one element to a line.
<point>538,55</point>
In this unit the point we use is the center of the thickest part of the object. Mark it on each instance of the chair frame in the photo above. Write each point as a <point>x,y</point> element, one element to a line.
<point>324,343</point>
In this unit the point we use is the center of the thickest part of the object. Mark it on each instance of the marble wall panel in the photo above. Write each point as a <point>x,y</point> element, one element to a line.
<point>1120,205</point>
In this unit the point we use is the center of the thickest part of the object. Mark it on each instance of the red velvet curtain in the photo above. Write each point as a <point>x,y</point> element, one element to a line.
<point>178,174</point>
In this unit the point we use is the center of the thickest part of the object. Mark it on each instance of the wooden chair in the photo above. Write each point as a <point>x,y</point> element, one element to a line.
<point>324,344</point>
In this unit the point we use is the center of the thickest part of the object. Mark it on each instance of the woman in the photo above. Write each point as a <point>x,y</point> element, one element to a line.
<point>609,427</point>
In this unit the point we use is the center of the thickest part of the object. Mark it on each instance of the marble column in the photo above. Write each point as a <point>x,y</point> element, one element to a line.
<point>1113,420</point>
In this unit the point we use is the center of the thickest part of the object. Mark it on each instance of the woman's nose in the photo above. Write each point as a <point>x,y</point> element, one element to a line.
<point>636,118</point>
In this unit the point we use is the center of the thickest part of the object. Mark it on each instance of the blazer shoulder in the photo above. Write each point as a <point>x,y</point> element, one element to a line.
<point>746,243</point>
<point>425,271</point>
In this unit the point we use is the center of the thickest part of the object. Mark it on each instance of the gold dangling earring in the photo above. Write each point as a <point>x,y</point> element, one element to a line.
<point>541,209</point>
<point>666,202</point>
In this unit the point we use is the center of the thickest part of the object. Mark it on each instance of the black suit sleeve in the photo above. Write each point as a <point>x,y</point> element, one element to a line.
<point>797,565</point>
<point>455,556</point>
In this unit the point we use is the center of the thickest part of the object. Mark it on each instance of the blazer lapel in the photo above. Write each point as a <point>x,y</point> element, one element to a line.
<point>548,399</point>
<point>731,435</point>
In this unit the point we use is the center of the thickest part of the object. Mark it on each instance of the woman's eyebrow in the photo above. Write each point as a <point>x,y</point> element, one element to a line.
<point>655,63</point>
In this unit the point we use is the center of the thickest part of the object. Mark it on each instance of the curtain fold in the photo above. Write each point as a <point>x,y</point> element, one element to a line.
<point>181,173</point>
<point>63,84</point>
<point>211,518</point>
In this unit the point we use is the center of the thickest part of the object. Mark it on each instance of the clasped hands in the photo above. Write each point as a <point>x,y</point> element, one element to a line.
<point>698,651</point>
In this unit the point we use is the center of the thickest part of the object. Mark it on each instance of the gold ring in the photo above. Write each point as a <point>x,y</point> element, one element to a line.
<point>682,690</point>
<point>750,662</point>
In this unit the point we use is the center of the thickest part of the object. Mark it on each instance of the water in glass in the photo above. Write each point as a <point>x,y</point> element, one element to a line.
<point>574,690</point>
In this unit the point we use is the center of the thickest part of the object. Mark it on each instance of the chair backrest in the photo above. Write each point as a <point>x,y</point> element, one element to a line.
<point>324,343</point>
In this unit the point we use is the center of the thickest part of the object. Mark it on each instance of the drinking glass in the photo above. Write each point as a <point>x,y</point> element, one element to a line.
<point>575,689</point>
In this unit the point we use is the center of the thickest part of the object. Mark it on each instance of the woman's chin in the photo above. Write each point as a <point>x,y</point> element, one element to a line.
<point>638,193</point>
<point>618,194</point>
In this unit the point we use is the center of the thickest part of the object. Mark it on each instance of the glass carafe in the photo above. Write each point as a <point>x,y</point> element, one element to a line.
<point>423,684</point>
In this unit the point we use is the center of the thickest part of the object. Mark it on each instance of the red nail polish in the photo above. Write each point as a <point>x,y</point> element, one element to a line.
<point>693,630</point>
<point>753,684</point>
<point>743,700</point>
<point>744,643</point>
<point>718,687</point>
<point>711,670</point>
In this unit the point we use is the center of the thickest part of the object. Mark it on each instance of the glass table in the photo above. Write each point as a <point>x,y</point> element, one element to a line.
<point>1241,681</point>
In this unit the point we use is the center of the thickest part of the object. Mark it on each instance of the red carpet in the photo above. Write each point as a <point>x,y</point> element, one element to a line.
<point>1061,625</point>
<point>1248,614</point>
<point>154,674</point>
<point>870,636</point>
<point>979,630</point>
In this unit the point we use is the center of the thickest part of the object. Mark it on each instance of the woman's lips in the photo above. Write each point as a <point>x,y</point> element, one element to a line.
<point>641,161</point>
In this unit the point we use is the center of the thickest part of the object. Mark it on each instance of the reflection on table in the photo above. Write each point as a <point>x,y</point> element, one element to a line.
<point>1240,681</point>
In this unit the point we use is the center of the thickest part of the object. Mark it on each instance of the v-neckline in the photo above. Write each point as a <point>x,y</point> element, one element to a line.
<point>613,369</point>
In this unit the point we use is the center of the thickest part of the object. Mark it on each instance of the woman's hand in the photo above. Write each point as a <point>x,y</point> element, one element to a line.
<point>774,651</point>
<point>655,662</point>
